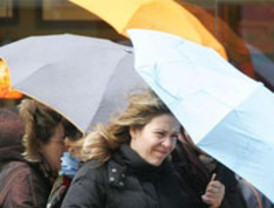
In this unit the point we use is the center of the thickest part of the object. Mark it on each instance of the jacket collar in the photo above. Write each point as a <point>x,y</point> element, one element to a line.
<point>135,163</point>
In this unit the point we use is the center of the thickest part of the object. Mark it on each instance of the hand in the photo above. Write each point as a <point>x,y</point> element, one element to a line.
<point>214,193</point>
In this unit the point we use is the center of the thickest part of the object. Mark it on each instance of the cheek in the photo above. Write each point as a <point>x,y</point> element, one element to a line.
<point>54,154</point>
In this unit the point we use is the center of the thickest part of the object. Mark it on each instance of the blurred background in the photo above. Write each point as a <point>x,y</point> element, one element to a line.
<point>244,27</point>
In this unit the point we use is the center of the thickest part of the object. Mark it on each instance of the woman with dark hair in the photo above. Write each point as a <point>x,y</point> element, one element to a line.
<point>196,168</point>
<point>28,183</point>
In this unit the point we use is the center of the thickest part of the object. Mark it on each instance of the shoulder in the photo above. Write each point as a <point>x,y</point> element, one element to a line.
<point>91,169</point>
<point>22,185</point>
<point>88,186</point>
<point>15,169</point>
<point>27,172</point>
<point>100,175</point>
<point>91,172</point>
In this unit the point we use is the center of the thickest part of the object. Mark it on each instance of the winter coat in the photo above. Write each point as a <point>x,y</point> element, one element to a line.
<point>125,181</point>
<point>28,188</point>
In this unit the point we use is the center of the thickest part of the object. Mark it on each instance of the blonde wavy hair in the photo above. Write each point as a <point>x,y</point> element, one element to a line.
<point>104,140</point>
<point>40,124</point>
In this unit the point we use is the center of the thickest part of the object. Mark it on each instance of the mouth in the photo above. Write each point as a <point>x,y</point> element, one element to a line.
<point>161,152</point>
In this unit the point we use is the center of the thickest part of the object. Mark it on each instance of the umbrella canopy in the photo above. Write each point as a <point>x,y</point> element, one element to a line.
<point>163,15</point>
<point>82,78</point>
<point>227,114</point>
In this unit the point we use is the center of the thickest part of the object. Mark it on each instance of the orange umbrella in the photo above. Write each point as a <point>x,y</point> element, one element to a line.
<point>163,15</point>
<point>234,45</point>
<point>5,90</point>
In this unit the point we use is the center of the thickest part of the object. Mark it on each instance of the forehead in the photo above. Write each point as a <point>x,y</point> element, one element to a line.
<point>165,121</point>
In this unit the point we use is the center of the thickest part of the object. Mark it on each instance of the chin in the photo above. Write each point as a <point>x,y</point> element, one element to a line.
<point>156,163</point>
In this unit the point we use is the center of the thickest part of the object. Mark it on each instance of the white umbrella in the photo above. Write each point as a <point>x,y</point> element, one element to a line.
<point>227,114</point>
<point>83,78</point>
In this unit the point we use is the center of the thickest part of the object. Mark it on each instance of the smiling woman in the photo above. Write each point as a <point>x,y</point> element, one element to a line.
<point>128,160</point>
<point>156,139</point>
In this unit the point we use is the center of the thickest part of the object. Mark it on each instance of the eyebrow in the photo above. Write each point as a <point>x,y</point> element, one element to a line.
<point>164,130</point>
<point>161,130</point>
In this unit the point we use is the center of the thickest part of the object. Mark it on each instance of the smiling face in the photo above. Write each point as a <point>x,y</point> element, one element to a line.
<point>53,150</point>
<point>156,140</point>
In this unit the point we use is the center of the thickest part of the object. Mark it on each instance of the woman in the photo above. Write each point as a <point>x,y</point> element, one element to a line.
<point>196,169</point>
<point>28,183</point>
<point>70,164</point>
<point>129,163</point>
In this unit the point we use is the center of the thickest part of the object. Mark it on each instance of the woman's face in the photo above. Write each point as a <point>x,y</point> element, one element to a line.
<point>53,150</point>
<point>156,140</point>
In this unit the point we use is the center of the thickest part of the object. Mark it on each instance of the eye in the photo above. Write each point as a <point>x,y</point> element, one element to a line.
<point>160,134</point>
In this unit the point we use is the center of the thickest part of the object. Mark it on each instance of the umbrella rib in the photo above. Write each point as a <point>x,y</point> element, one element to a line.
<point>28,76</point>
<point>105,90</point>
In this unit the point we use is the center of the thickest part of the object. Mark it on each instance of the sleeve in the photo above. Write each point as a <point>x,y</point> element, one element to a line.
<point>87,189</point>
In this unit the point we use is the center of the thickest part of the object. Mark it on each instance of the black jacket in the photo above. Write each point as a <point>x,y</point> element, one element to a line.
<point>126,181</point>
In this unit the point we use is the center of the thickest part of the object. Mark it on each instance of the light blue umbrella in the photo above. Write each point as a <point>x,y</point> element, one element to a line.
<point>227,114</point>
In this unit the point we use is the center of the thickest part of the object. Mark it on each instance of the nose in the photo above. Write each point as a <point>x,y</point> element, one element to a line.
<point>167,143</point>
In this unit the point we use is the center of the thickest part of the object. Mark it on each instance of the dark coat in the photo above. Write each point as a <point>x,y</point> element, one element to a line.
<point>28,188</point>
<point>196,177</point>
<point>125,181</point>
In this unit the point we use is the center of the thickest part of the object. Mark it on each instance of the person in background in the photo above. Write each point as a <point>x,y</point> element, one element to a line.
<point>28,183</point>
<point>196,168</point>
<point>70,164</point>
<point>129,160</point>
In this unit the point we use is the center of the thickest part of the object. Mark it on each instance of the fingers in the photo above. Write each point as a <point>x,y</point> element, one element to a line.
<point>214,200</point>
<point>207,199</point>
<point>213,177</point>
<point>211,202</point>
<point>214,192</point>
<point>214,187</point>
